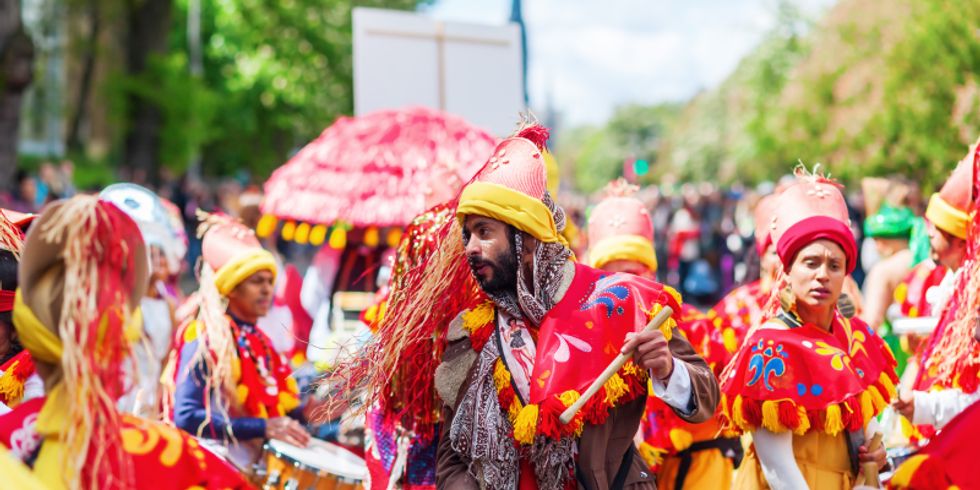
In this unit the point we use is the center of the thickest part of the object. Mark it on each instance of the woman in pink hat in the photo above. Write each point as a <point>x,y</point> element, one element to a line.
<point>808,382</point>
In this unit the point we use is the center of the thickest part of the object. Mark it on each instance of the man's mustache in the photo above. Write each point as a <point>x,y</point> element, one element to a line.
<point>476,263</point>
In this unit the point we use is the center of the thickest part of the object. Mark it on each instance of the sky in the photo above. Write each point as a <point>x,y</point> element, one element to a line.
<point>586,57</point>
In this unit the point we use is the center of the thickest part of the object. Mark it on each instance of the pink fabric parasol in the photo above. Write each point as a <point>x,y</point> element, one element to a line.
<point>376,170</point>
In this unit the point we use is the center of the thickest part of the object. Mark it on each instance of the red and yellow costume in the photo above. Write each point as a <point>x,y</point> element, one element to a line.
<point>682,454</point>
<point>948,461</point>
<point>227,376</point>
<point>790,376</point>
<point>19,368</point>
<point>87,253</point>
<point>949,376</point>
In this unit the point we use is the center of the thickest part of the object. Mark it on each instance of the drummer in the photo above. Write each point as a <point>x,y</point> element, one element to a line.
<point>239,385</point>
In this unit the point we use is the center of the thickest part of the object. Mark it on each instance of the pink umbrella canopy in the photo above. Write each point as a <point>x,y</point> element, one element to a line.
<point>376,170</point>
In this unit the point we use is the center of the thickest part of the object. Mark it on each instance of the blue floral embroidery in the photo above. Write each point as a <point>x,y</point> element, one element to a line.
<point>766,361</point>
<point>609,293</point>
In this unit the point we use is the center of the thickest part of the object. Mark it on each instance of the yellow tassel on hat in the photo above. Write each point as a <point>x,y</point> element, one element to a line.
<point>833,423</point>
<point>338,238</point>
<point>266,225</point>
<point>526,424</point>
<point>302,235</point>
<point>371,237</point>
<point>318,235</point>
<point>288,231</point>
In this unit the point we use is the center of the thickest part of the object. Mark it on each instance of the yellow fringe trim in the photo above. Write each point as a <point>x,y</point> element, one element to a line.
<point>651,455</point>
<point>11,387</point>
<point>676,295</point>
<point>681,439</point>
<point>667,327</point>
<point>903,475</point>
<point>887,383</point>
<point>877,399</point>
<point>833,424</point>
<point>501,376</point>
<point>478,317</point>
<point>526,424</point>
<point>728,338</point>
<point>737,415</point>
<point>567,399</point>
<point>867,407</point>
<point>804,421</point>
<point>770,416</point>
<point>615,388</point>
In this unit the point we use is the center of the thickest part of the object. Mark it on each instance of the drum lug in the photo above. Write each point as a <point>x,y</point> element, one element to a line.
<point>273,481</point>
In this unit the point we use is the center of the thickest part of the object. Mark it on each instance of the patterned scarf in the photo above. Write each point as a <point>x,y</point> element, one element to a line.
<point>546,274</point>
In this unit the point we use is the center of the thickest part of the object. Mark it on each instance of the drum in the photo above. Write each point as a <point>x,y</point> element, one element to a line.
<point>319,466</point>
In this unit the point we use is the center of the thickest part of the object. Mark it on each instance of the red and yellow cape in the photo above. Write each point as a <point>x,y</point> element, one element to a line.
<point>805,378</point>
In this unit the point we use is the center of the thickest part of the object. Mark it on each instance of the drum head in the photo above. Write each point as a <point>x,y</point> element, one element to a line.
<point>326,457</point>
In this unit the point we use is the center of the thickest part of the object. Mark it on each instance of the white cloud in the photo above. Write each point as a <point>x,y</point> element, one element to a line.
<point>587,57</point>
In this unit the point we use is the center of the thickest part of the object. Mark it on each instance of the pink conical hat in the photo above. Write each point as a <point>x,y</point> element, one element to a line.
<point>950,208</point>
<point>518,164</point>
<point>811,209</point>
<point>232,251</point>
<point>620,229</point>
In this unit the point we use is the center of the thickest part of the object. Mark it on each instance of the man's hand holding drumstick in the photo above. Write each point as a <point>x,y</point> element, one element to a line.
<point>651,352</point>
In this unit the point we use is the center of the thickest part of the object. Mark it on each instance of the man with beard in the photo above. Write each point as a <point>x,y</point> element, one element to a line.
<point>949,378</point>
<point>515,362</point>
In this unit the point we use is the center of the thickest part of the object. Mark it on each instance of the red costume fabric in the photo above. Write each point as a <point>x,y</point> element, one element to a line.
<point>15,372</point>
<point>163,455</point>
<point>805,378</point>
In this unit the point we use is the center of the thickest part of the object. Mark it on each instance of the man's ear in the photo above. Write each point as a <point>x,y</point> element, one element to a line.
<point>529,243</point>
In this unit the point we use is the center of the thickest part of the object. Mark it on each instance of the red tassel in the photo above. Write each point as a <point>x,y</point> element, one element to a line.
<point>853,418</point>
<point>548,423</point>
<point>538,135</point>
<point>788,414</point>
<point>752,412</point>
<point>816,419</point>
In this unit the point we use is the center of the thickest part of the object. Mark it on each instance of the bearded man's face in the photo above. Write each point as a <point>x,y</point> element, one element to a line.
<point>490,253</point>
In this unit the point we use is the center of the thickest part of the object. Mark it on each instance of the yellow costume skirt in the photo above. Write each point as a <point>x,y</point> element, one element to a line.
<point>822,459</point>
<point>709,469</point>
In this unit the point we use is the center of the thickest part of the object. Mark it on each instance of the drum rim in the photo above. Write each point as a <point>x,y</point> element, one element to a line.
<point>319,472</point>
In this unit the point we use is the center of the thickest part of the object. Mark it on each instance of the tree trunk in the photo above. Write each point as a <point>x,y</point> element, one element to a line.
<point>74,141</point>
<point>16,73</point>
<point>149,24</point>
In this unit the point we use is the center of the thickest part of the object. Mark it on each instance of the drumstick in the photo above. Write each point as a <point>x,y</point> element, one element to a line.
<point>612,368</point>
<point>870,468</point>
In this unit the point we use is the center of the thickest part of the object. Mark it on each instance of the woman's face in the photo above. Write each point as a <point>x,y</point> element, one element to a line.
<point>817,274</point>
<point>161,269</point>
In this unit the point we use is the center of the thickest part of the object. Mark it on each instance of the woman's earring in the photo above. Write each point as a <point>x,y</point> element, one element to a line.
<point>846,306</point>
<point>787,300</point>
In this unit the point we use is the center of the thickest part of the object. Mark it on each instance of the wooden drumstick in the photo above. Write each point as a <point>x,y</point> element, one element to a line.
<point>612,368</point>
<point>870,469</point>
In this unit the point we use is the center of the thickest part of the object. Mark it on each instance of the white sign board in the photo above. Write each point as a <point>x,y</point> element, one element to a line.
<point>404,59</point>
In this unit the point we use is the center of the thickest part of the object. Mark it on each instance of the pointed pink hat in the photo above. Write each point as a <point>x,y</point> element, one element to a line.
<point>232,251</point>
<point>620,229</point>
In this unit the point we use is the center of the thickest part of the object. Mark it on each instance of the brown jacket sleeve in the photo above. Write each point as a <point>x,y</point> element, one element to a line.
<point>704,385</point>
<point>452,471</point>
